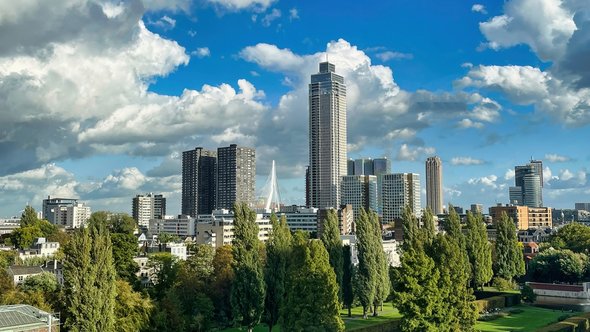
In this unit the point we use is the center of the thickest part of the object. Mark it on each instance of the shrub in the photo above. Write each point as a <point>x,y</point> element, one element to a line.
<point>503,284</point>
<point>490,303</point>
<point>528,294</point>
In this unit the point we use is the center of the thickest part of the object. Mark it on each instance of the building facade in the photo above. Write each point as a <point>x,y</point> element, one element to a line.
<point>327,136</point>
<point>66,212</point>
<point>528,185</point>
<point>396,191</point>
<point>301,218</point>
<point>198,181</point>
<point>368,166</point>
<point>434,188</point>
<point>236,176</point>
<point>182,226</point>
<point>360,191</point>
<point>147,207</point>
<point>217,229</point>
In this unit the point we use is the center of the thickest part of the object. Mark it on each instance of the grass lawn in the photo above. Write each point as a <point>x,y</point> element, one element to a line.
<point>531,319</point>
<point>352,323</point>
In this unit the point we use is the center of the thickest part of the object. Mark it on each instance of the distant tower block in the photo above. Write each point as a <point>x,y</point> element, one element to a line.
<point>270,191</point>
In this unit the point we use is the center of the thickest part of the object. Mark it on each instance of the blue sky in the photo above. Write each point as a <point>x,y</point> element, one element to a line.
<point>99,100</point>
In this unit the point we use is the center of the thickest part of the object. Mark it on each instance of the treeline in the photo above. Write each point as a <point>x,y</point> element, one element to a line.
<point>439,272</point>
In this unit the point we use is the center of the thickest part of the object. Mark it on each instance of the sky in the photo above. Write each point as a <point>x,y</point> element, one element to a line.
<point>99,98</point>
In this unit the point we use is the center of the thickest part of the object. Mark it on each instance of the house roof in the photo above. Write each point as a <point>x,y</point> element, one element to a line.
<point>21,315</point>
<point>18,270</point>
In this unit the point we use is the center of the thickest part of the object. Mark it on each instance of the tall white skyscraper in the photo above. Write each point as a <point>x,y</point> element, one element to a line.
<point>434,188</point>
<point>327,136</point>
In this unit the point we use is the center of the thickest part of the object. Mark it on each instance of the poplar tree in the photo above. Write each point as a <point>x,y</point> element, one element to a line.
<point>278,249</point>
<point>89,281</point>
<point>508,260</point>
<point>347,278</point>
<point>248,293</point>
<point>367,270</point>
<point>382,282</point>
<point>333,244</point>
<point>479,251</point>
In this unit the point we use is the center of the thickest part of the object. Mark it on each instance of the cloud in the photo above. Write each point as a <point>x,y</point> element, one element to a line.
<point>509,175</point>
<point>390,55</point>
<point>165,23</point>
<point>237,5</point>
<point>414,153</point>
<point>270,17</point>
<point>566,179</point>
<point>293,14</point>
<point>201,52</point>
<point>555,158</point>
<point>546,26</point>
<point>488,181</point>
<point>479,8</point>
<point>467,123</point>
<point>466,161</point>
<point>169,5</point>
<point>192,33</point>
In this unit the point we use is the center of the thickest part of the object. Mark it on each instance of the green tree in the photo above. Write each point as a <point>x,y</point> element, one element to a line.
<point>479,251</point>
<point>333,243</point>
<point>312,298</point>
<point>28,217</point>
<point>347,278</point>
<point>248,293</point>
<point>222,284</point>
<point>574,236</point>
<point>132,311</point>
<point>527,294</point>
<point>559,266</point>
<point>508,256</point>
<point>24,237</point>
<point>45,282</point>
<point>428,223</point>
<point>164,269</point>
<point>7,258</point>
<point>89,281</point>
<point>382,282</point>
<point>367,269</point>
<point>121,227</point>
<point>278,250</point>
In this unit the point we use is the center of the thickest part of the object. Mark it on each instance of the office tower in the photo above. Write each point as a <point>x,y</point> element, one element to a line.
<point>360,191</point>
<point>327,136</point>
<point>198,181</point>
<point>515,195</point>
<point>146,207</point>
<point>307,188</point>
<point>51,207</point>
<point>381,166</point>
<point>236,176</point>
<point>434,188</point>
<point>529,178</point>
<point>396,191</point>
<point>350,167</point>
<point>582,206</point>
<point>476,208</point>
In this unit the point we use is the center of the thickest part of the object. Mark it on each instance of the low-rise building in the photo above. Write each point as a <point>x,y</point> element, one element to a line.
<point>26,318</point>
<point>8,225</point>
<point>20,273</point>
<point>217,228</point>
<point>523,216</point>
<point>40,249</point>
<point>181,226</point>
<point>537,235</point>
<point>301,218</point>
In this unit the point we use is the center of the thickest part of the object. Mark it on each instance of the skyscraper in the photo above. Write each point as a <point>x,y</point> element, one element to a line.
<point>381,166</point>
<point>396,191</point>
<point>528,179</point>
<point>434,189</point>
<point>360,191</point>
<point>236,176</point>
<point>146,207</point>
<point>198,181</point>
<point>327,136</point>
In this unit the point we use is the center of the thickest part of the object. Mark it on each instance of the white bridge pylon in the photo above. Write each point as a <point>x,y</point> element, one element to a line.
<point>270,191</point>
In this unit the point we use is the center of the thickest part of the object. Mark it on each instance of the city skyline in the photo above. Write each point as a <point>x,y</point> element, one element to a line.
<point>480,84</point>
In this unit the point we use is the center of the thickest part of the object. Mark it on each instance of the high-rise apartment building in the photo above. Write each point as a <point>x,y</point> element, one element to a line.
<point>528,180</point>
<point>198,181</point>
<point>147,207</point>
<point>396,191</point>
<point>582,206</point>
<point>434,188</point>
<point>381,166</point>
<point>360,191</point>
<point>327,136</point>
<point>236,176</point>
<point>67,212</point>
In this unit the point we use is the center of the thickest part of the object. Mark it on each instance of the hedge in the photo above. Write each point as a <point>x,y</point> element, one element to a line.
<point>385,327</point>
<point>500,301</point>
<point>580,323</point>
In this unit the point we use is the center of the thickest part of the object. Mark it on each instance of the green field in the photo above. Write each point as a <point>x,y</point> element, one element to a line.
<point>531,319</point>
<point>352,323</point>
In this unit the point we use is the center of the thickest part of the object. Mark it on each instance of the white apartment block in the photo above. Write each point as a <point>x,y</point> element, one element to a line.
<point>68,213</point>
<point>217,228</point>
<point>304,219</point>
<point>147,207</point>
<point>182,226</point>
<point>397,191</point>
<point>9,225</point>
